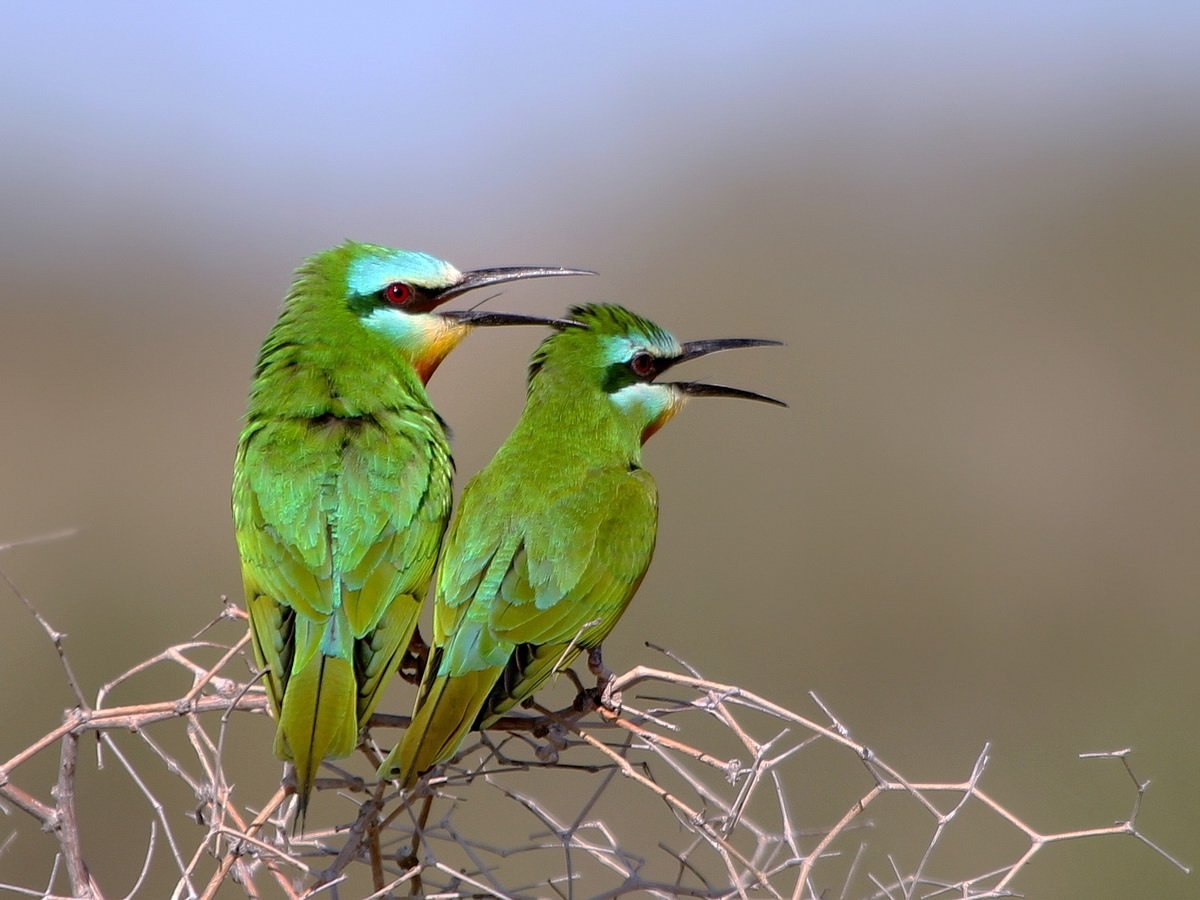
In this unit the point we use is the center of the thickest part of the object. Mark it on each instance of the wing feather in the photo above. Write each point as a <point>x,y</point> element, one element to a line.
<point>569,572</point>
<point>339,521</point>
<point>527,580</point>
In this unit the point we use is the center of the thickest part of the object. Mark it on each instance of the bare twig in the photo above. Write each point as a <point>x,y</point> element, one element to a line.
<point>727,823</point>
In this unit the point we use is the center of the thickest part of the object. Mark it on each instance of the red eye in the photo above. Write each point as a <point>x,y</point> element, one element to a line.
<point>642,364</point>
<point>397,293</point>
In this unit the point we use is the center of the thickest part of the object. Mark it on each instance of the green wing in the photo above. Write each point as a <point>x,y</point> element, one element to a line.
<point>519,594</point>
<point>338,523</point>
<point>574,575</point>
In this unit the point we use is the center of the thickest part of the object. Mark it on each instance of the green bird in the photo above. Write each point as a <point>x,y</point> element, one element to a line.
<point>554,535</point>
<point>342,483</point>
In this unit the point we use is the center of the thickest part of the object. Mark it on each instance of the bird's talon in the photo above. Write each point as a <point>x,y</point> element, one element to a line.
<point>586,700</point>
<point>610,699</point>
<point>597,667</point>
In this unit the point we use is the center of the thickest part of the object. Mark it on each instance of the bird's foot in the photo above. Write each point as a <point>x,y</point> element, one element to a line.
<point>610,699</point>
<point>556,740</point>
<point>606,696</point>
<point>586,700</point>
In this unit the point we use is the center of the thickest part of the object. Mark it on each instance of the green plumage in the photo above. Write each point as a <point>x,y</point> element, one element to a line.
<point>554,536</point>
<point>342,485</point>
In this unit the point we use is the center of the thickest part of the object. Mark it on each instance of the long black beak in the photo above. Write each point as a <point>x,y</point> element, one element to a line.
<point>484,318</point>
<point>696,349</point>
<point>486,277</point>
<point>700,389</point>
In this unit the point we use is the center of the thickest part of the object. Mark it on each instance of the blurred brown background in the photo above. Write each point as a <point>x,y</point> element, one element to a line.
<point>977,231</point>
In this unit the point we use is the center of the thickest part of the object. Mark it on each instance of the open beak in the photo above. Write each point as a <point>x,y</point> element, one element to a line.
<point>487,277</point>
<point>484,318</point>
<point>696,349</point>
<point>700,389</point>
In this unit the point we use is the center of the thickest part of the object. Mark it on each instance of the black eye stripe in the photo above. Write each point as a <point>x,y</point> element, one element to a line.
<point>641,368</point>
<point>405,296</point>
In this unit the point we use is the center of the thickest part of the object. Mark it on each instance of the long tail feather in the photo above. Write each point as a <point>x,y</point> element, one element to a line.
<point>318,720</point>
<point>444,715</point>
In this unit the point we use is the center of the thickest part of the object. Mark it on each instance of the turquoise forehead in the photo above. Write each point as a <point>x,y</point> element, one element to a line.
<point>380,266</point>
<point>621,347</point>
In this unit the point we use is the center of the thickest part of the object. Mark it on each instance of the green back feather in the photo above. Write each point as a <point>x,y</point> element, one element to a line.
<point>341,492</point>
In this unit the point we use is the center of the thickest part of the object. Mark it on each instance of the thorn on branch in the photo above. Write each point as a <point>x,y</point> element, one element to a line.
<point>734,817</point>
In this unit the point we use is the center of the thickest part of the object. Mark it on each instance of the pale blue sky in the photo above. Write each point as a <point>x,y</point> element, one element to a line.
<point>261,101</point>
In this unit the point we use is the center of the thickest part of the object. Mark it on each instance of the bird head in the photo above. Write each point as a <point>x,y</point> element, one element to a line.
<point>611,351</point>
<point>398,294</point>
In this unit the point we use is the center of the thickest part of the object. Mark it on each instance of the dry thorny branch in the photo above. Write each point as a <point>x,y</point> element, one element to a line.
<point>688,788</point>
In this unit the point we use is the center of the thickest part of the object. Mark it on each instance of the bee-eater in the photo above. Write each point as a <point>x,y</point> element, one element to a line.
<point>554,535</point>
<point>342,483</point>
